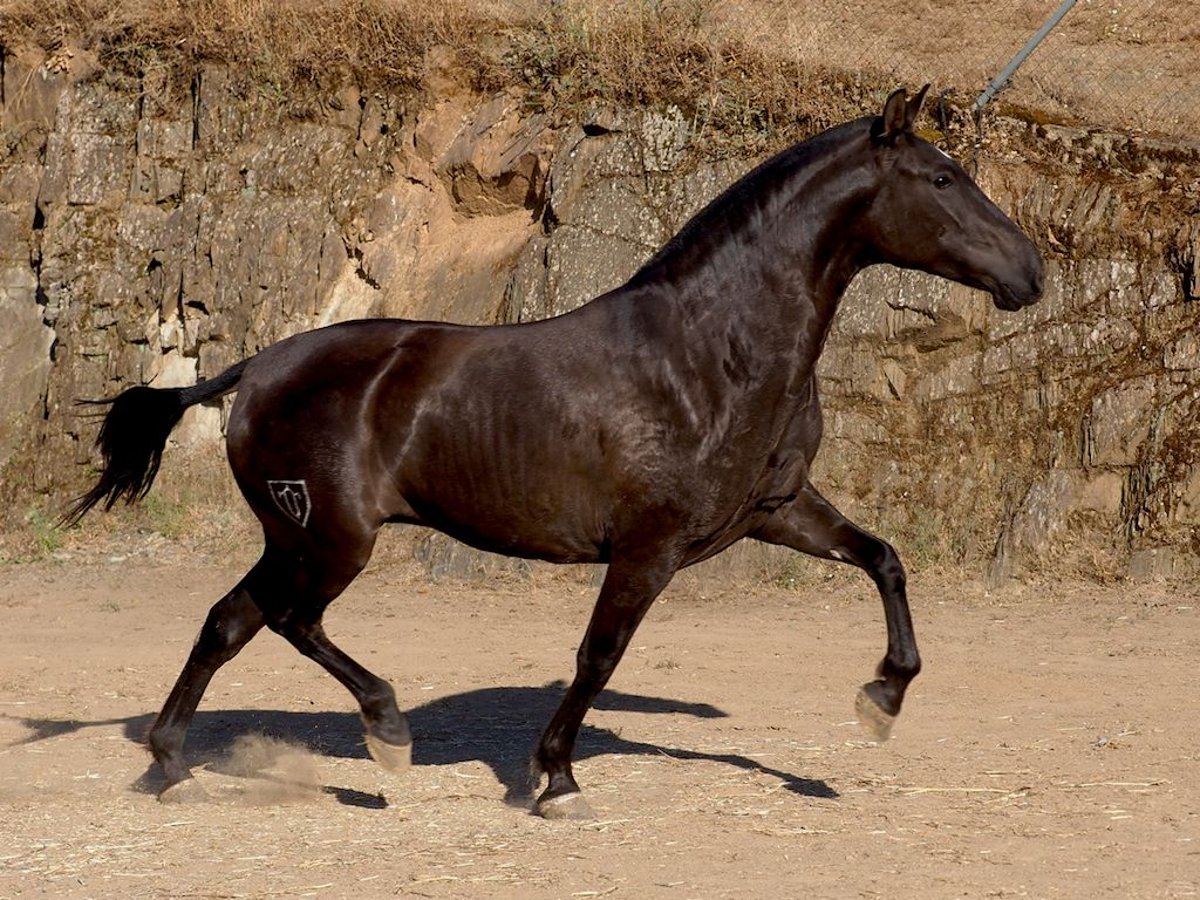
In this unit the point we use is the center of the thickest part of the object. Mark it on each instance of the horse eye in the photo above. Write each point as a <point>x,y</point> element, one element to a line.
<point>942,181</point>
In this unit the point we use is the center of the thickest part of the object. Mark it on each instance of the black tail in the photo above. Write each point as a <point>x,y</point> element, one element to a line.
<point>133,436</point>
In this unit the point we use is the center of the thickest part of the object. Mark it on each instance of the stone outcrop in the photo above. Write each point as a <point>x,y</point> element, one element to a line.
<point>149,240</point>
<point>1064,437</point>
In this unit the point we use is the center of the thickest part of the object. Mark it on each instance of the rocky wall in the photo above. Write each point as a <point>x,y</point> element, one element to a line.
<point>1063,439</point>
<point>156,237</point>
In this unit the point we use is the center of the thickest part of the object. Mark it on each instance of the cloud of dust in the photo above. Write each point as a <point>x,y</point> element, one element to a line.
<point>275,771</point>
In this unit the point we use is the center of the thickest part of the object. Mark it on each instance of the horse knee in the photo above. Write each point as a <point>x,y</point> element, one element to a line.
<point>887,570</point>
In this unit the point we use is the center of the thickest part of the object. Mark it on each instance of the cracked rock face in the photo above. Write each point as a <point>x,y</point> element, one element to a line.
<point>145,243</point>
<point>158,242</point>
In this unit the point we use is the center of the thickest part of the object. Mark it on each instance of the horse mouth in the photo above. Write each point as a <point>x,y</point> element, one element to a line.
<point>1015,280</point>
<point>1008,302</point>
<point>1007,298</point>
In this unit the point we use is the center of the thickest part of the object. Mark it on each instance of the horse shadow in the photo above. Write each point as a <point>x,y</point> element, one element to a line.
<point>497,726</point>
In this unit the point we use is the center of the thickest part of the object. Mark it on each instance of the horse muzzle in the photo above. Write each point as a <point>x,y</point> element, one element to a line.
<point>1024,290</point>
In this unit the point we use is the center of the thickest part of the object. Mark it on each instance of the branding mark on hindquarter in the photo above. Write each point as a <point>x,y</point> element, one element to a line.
<point>292,499</point>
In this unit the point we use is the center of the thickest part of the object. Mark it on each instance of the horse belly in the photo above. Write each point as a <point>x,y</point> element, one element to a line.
<point>506,491</point>
<point>552,525</point>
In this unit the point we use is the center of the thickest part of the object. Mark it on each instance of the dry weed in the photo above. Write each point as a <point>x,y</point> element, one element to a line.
<point>563,58</point>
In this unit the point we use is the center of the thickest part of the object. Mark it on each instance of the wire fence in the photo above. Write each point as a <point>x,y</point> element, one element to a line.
<point>1122,64</point>
<point>1126,64</point>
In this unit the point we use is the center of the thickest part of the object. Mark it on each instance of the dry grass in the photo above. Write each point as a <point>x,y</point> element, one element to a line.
<point>296,44</point>
<point>563,57</point>
<point>745,67</point>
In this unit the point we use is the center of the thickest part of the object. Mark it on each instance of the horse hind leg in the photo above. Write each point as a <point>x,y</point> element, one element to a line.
<point>388,738</point>
<point>293,597</point>
<point>231,623</point>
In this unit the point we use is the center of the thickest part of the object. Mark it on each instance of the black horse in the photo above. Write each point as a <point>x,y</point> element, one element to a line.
<point>649,429</point>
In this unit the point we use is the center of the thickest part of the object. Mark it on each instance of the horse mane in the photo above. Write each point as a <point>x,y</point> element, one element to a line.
<point>732,211</point>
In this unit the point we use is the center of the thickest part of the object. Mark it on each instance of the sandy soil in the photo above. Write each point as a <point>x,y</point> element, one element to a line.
<point>1050,749</point>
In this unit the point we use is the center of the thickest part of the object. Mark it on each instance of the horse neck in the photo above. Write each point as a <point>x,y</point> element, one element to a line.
<point>778,266</point>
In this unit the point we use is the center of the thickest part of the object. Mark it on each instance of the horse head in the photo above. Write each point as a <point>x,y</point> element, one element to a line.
<point>929,214</point>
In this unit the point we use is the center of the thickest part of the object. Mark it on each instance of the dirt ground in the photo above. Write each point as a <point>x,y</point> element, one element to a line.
<point>1050,748</point>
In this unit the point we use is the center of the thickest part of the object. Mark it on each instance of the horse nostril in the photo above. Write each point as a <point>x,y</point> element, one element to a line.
<point>1036,270</point>
<point>1039,281</point>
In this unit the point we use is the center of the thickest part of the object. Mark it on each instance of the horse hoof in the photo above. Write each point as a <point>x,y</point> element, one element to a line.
<point>568,807</point>
<point>186,791</point>
<point>393,757</point>
<point>871,716</point>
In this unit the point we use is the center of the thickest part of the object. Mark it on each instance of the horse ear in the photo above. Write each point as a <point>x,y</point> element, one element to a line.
<point>894,120</point>
<point>913,107</point>
<point>899,113</point>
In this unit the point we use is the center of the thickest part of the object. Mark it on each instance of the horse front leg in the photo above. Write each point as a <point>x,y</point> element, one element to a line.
<point>812,525</point>
<point>628,591</point>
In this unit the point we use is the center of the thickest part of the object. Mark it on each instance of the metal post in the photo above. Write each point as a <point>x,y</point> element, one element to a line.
<point>1015,63</point>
